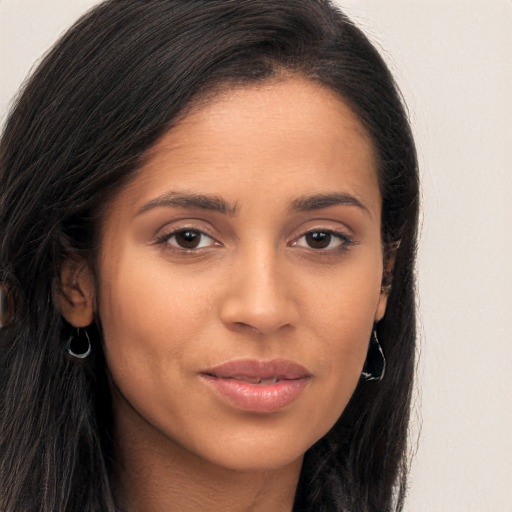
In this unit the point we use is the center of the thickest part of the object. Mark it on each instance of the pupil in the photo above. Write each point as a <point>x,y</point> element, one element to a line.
<point>188,239</point>
<point>318,239</point>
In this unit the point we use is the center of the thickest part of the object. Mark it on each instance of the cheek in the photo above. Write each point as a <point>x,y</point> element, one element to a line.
<point>143,299</point>
<point>135,314</point>
<point>343,302</point>
<point>149,321</point>
<point>339,313</point>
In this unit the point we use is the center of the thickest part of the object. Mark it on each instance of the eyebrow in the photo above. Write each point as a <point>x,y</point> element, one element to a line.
<point>218,204</point>
<point>185,200</point>
<point>319,201</point>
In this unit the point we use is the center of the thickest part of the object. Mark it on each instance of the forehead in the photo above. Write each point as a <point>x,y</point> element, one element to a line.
<point>297,106</point>
<point>288,131</point>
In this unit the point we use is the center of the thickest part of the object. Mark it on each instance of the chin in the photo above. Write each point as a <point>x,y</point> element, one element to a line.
<point>255,452</point>
<point>257,461</point>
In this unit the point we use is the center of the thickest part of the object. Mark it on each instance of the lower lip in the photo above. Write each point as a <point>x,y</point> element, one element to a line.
<point>258,397</point>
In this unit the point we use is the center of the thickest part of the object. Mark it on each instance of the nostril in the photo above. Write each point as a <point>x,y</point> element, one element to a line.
<point>244,325</point>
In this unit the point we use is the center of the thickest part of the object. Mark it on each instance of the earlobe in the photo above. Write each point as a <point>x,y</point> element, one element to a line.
<point>381,306</point>
<point>74,294</point>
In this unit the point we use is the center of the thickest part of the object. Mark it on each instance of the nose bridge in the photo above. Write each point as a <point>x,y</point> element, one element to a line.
<point>259,294</point>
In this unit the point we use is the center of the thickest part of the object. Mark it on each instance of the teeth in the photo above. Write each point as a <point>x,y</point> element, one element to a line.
<point>244,378</point>
<point>255,380</point>
<point>267,382</point>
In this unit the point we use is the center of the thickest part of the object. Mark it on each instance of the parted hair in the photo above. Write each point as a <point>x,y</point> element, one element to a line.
<point>79,129</point>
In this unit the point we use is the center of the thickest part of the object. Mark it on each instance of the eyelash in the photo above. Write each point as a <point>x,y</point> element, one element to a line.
<point>344,240</point>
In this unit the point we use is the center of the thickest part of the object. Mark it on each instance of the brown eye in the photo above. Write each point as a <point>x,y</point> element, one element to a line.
<point>188,239</point>
<point>318,239</point>
<point>323,240</point>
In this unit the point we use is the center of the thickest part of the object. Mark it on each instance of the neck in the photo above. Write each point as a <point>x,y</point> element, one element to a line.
<point>155,474</point>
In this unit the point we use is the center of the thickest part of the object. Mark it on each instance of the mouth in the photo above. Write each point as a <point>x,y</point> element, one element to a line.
<point>257,372</point>
<point>256,380</point>
<point>259,386</point>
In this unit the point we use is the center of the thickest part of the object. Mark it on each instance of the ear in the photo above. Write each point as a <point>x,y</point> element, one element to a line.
<point>74,294</point>
<point>387,277</point>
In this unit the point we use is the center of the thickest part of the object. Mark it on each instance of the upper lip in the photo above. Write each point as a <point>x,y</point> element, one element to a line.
<point>281,369</point>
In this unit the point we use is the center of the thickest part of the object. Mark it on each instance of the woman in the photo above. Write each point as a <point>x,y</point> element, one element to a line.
<point>208,219</point>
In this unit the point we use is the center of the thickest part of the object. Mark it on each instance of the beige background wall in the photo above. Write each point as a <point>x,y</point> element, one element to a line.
<point>452,61</point>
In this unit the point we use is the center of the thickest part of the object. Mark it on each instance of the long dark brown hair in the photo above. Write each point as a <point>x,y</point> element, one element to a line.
<point>114,84</point>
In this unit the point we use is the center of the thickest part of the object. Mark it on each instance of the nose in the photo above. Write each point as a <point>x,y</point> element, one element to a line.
<point>259,295</point>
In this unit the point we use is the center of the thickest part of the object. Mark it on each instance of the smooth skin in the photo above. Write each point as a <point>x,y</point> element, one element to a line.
<point>252,231</point>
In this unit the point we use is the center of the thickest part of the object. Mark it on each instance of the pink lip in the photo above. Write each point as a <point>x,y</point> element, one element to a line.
<point>237,381</point>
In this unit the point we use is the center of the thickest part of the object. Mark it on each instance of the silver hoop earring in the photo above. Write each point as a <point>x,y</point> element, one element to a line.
<point>375,365</point>
<point>79,345</point>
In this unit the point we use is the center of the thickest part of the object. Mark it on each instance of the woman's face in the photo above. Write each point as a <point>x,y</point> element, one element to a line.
<point>240,276</point>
